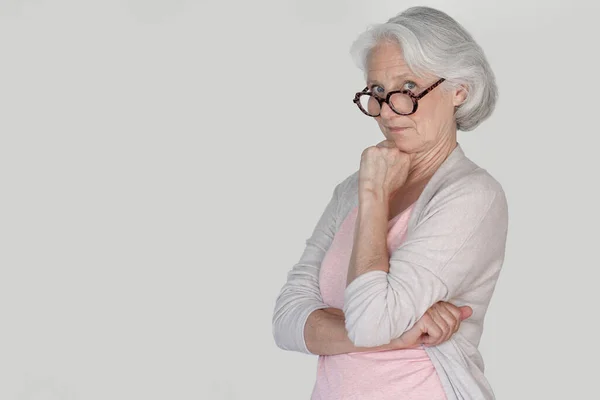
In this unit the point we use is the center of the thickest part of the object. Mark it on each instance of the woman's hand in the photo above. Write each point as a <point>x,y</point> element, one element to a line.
<point>383,170</point>
<point>436,326</point>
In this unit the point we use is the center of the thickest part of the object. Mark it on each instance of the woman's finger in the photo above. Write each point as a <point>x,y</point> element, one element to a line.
<point>465,312</point>
<point>451,315</point>
<point>386,143</point>
<point>446,322</point>
<point>435,326</point>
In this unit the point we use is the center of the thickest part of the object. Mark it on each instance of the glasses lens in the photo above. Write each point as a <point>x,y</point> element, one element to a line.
<point>402,103</point>
<point>369,105</point>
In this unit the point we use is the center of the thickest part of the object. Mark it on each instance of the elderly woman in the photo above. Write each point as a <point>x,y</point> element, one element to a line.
<point>418,230</point>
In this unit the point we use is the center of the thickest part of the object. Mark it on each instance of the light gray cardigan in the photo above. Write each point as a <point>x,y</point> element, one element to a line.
<point>453,251</point>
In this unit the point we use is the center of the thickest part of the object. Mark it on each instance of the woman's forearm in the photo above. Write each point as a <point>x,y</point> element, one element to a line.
<point>325,334</point>
<point>370,252</point>
<point>325,331</point>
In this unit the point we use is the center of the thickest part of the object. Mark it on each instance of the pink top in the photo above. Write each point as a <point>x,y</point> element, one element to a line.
<point>377,375</point>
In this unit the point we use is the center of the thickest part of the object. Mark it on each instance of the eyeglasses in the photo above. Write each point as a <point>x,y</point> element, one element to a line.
<point>402,102</point>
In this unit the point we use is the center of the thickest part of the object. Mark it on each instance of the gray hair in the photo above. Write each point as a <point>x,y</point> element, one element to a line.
<point>433,42</point>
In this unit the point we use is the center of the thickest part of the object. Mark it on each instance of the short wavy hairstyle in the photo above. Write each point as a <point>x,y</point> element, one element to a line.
<point>433,42</point>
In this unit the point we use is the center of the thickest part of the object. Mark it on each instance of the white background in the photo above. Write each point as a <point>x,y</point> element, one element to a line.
<point>162,163</point>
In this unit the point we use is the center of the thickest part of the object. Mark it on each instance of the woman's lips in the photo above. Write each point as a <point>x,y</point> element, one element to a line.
<point>397,130</point>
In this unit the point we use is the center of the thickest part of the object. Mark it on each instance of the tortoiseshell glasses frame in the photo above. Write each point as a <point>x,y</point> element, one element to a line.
<point>415,99</point>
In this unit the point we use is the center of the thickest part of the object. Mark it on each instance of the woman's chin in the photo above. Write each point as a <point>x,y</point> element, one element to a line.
<point>402,144</point>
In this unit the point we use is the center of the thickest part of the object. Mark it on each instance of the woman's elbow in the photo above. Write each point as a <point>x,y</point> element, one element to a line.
<point>279,340</point>
<point>288,329</point>
<point>367,320</point>
<point>362,334</point>
<point>280,334</point>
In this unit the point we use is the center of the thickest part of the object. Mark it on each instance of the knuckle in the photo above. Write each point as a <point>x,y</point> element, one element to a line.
<point>453,310</point>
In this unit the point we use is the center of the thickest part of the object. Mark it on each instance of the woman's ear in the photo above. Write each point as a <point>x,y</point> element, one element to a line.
<point>460,95</point>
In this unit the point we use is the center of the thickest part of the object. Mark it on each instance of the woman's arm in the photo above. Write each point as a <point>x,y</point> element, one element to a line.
<point>325,334</point>
<point>302,322</point>
<point>325,330</point>
<point>297,319</point>
<point>300,296</point>
<point>370,252</point>
<point>458,245</point>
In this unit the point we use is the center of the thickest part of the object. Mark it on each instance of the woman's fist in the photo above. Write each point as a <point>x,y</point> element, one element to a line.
<point>383,170</point>
<point>436,326</point>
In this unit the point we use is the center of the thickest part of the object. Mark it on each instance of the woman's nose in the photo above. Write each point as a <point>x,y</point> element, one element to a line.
<point>386,112</point>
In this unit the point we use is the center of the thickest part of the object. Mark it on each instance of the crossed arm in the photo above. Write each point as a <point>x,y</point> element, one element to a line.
<point>325,331</point>
<point>443,255</point>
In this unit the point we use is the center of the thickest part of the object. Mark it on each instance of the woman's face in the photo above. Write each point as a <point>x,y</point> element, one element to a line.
<point>433,124</point>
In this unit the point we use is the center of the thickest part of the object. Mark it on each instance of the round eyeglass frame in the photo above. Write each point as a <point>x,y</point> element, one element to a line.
<point>415,99</point>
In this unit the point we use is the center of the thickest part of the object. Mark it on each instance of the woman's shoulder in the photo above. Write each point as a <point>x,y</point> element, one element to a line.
<point>467,189</point>
<point>473,178</point>
<point>461,173</point>
<point>461,184</point>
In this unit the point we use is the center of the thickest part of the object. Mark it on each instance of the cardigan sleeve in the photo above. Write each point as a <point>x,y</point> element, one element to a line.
<point>457,245</point>
<point>300,295</point>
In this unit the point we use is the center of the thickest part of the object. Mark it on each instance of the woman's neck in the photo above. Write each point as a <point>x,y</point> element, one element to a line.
<point>425,164</point>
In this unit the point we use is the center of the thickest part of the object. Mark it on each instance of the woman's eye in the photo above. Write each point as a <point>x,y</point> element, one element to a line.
<point>410,85</point>
<point>378,90</point>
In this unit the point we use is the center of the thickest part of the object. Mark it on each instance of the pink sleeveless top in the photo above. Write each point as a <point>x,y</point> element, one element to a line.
<point>378,375</point>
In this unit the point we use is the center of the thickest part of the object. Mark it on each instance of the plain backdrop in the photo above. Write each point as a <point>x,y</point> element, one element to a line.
<point>162,163</point>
